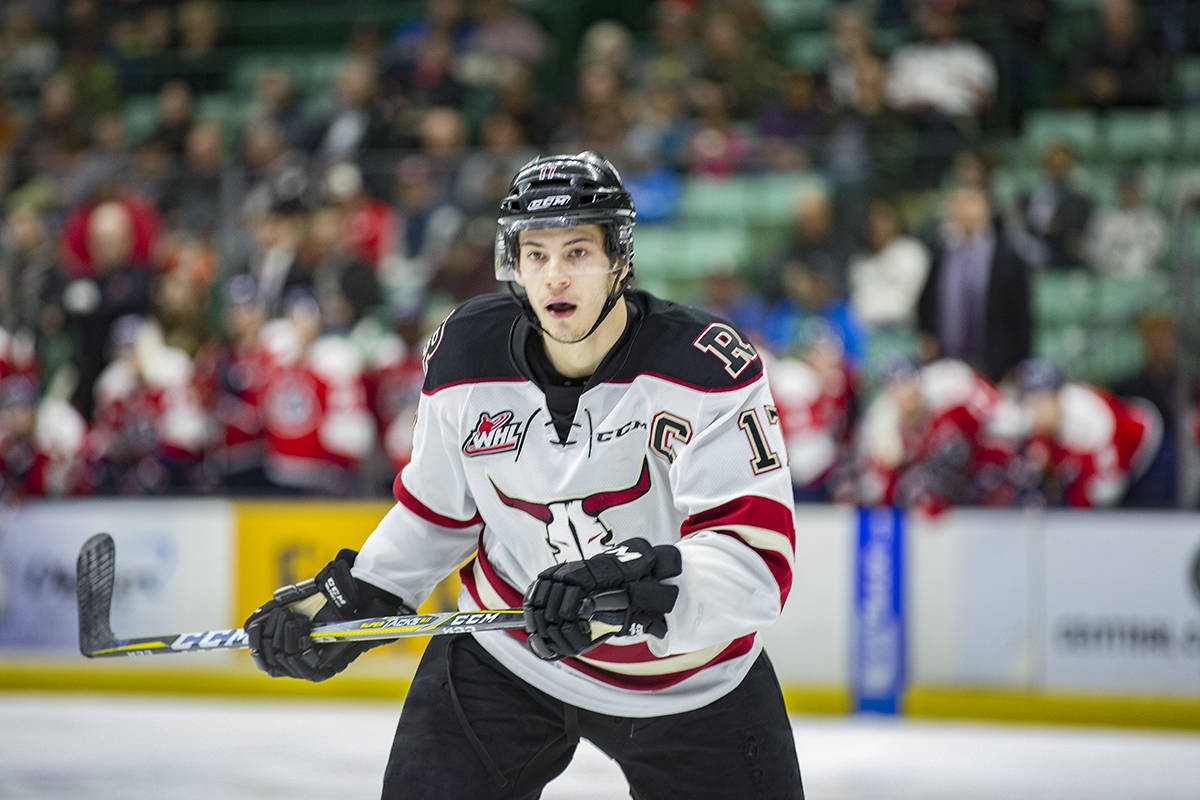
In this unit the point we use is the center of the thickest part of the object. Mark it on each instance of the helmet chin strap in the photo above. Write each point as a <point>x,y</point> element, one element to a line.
<point>614,294</point>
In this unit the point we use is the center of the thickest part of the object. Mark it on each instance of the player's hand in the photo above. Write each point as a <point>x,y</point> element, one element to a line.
<point>278,630</point>
<point>621,589</point>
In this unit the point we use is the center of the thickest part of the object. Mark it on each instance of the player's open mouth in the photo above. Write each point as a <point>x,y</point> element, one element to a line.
<point>560,309</point>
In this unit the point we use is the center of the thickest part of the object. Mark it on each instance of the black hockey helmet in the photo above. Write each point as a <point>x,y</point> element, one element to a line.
<point>561,191</point>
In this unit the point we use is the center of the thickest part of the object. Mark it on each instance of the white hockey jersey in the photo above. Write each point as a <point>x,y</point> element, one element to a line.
<point>675,439</point>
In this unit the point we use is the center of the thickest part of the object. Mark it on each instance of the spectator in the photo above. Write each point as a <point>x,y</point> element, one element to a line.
<point>718,145</point>
<point>151,431</point>
<point>108,156</point>
<point>193,196</point>
<point>727,294</point>
<point>427,225</point>
<point>944,83</point>
<point>975,303</point>
<point>610,44</point>
<point>277,103</point>
<point>48,146</point>
<point>233,375</point>
<point>1123,67</point>
<point>600,116</point>
<point>430,78</point>
<point>267,164</point>
<point>318,428</point>
<point>78,254</point>
<point>443,145</point>
<point>935,437</point>
<point>30,282</point>
<point>42,444</point>
<point>1157,381</point>
<point>814,391</point>
<point>851,30</point>
<point>732,58</point>
<point>189,270</point>
<point>175,118</point>
<point>1055,215</point>
<point>1127,241</point>
<point>274,263</point>
<point>118,287</point>
<point>789,127</point>
<point>886,281</point>
<point>357,124</point>
<point>345,285</point>
<point>868,147</point>
<point>503,34</point>
<point>502,150</point>
<point>200,63</point>
<point>1085,447</point>
<point>27,55</point>
<point>368,223</point>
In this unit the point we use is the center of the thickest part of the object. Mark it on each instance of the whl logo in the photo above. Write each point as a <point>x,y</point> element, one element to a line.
<point>493,433</point>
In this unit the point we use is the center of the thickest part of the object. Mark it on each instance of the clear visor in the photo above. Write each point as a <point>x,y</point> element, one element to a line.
<point>508,232</point>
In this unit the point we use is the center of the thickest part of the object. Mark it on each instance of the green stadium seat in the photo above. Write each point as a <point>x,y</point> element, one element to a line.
<point>1076,127</point>
<point>1132,134</point>
<point>1062,298</point>
<point>716,200</point>
<point>656,251</point>
<point>789,14</point>
<point>1188,125</point>
<point>771,199</point>
<point>704,250</point>
<point>1010,183</point>
<point>1113,354</point>
<point>1065,345</point>
<point>140,115</point>
<point>1187,79</point>
<point>1124,299</point>
<point>808,51</point>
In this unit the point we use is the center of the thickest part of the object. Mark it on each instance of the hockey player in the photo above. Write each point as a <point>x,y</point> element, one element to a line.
<point>1087,446</point>
<point>584,440</point>
<point>936,436</point>
<point>815,393</point>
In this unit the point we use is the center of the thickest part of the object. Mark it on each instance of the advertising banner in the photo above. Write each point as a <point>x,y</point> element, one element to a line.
<point>285,542</point>
<point>878,665</point>
<point>973,595</point>
<point>172,574</point>
<point>1122,602</point>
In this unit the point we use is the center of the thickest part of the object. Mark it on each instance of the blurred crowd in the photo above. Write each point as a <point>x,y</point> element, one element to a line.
<point>231,296</point>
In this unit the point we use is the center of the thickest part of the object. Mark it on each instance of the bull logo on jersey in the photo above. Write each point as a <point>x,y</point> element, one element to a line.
<point>574,529</point>
<point>493,433</point>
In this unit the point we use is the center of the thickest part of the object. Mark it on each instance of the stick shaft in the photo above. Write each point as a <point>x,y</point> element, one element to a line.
<point>359,630</point>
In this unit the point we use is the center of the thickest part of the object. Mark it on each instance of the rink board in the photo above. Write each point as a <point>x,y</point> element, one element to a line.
<point>1030,616</point>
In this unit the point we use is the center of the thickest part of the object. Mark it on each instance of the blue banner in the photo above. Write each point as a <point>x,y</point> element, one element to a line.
<point>878,657</point>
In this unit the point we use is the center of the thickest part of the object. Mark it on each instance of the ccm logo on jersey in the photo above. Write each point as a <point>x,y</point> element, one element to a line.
<point>493,433</point>
<point>549,202</point>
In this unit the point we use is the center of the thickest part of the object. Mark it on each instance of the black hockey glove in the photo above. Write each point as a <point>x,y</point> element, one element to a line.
<point>278,631</point>
<point>621,589</point>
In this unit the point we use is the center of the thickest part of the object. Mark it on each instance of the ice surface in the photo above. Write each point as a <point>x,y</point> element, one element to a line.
<point>66,747</point>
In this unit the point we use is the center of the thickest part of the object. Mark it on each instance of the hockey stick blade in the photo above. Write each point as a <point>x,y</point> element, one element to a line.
<point>95,574</point>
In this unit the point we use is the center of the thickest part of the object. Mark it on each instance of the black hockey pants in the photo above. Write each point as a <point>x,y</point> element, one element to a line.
<point>472,729</point>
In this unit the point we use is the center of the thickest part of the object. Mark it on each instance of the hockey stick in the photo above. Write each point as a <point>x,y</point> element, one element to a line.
<point>95,576</point>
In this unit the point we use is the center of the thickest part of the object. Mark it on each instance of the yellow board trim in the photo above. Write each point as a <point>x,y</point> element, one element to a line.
<point>1069,708</point>
<point>929,702</point>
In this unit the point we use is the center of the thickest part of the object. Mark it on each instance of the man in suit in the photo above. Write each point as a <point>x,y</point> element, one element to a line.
<point>975,304</point>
